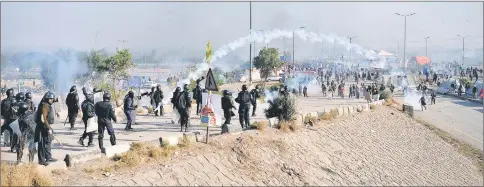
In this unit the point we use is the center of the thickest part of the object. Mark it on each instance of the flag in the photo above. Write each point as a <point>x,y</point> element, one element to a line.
<point>208,53</point>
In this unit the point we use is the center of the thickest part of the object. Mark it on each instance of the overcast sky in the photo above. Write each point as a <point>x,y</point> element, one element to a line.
<point>172,26</point>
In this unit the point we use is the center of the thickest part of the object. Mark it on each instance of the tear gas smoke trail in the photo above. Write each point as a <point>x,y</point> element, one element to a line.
<point>267,36</point>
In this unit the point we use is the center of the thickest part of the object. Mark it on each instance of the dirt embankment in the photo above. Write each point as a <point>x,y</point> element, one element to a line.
<point>380,147</point>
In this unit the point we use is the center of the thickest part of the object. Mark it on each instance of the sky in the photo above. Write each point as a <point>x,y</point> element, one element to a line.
<point>184,28</point>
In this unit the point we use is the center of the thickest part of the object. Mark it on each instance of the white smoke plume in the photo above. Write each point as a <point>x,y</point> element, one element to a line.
<point>267,36</point>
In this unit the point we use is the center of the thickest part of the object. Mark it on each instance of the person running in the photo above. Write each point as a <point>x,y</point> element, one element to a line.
<point>423,104</point>
<point>433,96</point>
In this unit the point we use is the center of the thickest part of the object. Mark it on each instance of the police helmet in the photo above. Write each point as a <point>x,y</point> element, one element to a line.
<point>185,87</point>
<point>49,95</point>
<point>131,93</point>
<point>244,87</point>
<point>178,89</point>
<point>20,96</point>
<point>22,107</point>
<point>225,92</point>
<point>10,92</point>
<point>106,97</point>
<point>73,88</point>
<point>28,95</point>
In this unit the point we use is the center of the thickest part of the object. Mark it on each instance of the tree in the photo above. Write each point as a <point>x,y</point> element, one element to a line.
<point>117,67</point>
<point>267,61</point>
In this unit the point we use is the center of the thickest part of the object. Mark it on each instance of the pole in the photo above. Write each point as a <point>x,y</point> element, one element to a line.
<point>350,50</point>
<point>426,54</point>
<point>405,41</point>
<point>293,58</point>
<point>250,48</point>
<point>463,52</point>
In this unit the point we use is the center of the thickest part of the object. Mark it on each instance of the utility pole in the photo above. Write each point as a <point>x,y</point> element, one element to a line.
<point>463,38</point>
<point>405,34</point>
<point>250,48</point>
<point>426,38</point>
<point>351,38</point>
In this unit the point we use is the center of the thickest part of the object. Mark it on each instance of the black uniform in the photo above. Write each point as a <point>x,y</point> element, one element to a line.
<point>72,102</point>
<point>255,95</point>
<point>27,128</point>
<point>8,110</point>
<point>183,106</point>
<point>197,95</point>
<point>105,112</point>
<point>88,112</point>
<point>129,110</point>
<point>244,99</point>
<point>158,98</point>
<point>44,119</point>
<point>227,105</point>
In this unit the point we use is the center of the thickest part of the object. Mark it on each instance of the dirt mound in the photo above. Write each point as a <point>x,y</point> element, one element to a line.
<point>381,147</point>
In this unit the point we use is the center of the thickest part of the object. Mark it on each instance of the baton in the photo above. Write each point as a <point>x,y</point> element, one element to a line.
<point>66,120</point>
<point>57,139</point>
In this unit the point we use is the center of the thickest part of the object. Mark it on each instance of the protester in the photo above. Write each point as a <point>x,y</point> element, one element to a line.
<point>88,113</point>
<point>423,104</point>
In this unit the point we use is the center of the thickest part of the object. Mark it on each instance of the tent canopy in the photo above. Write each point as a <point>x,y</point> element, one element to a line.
<point>422,60</point>
<point>385,53</point>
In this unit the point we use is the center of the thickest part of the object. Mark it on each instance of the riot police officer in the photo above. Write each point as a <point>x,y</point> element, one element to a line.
<point>183,107</point>
<point>43,130</point>
<point>255,93</point>
<point>30,103</point>
<point>158,98</point>
<point>27,128</point>
<point>105,113</point>
<point>197,95</point>
<point>227,105</point>
<point>129,110</point>
<point>20,97</point>
<point>244,99</point>
<point>8,114</point>
<point>72,102</point>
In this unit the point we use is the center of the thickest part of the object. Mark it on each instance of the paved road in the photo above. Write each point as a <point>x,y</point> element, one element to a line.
<point>461,118</point>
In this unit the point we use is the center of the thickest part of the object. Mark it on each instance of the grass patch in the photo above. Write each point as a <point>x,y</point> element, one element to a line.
<point>287,126</point>
<point>389,102</point>
<point>184,141</point>
<point>334,113</point>
<point>23,175</point>
<point>326,116</point>
<point>475,154</point>
<point>373,107</point>
<point>140,153</point>
<point>259,125</point>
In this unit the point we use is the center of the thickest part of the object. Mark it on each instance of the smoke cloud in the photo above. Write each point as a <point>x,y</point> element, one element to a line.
<point>267,36</point>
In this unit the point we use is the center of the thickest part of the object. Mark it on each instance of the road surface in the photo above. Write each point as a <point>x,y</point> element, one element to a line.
<point>461,118</point>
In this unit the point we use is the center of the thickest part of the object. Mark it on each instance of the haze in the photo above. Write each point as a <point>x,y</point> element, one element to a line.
<point>183,28</point>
